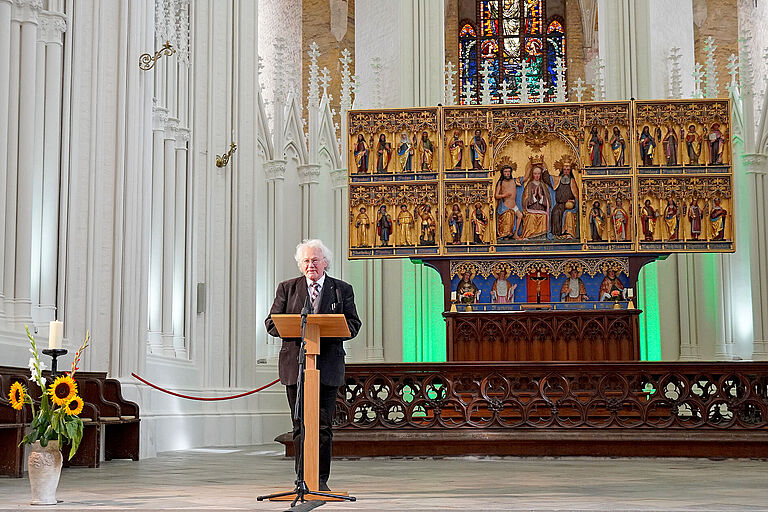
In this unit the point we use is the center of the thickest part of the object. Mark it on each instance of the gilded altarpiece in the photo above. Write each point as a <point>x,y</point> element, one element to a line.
<point>631,177</point>
<point>545,211</point>
<point>684,174</point>
<point>394,175</point>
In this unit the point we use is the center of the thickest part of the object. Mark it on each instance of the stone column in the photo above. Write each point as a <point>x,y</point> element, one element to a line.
<point>724,340</point>
<point>52,28</point>
<point>309,177</point>
<point>757,168</point>
<point>274,171</point>
<point>374,341</point>
<point>689,335</point>
<point>340,220</point>
<point>26,15</point>
<point>155,298</point>
<point>5,71</point>
<point>9,269</point>
<point>179,342</point>
<point>169,225</point>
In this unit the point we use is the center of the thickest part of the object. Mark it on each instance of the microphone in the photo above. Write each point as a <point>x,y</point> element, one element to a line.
<point>304,313</point>
<point>307,307</point>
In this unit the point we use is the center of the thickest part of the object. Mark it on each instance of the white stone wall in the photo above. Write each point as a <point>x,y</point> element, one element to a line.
<point>281,19</point>
<point>753,19</point>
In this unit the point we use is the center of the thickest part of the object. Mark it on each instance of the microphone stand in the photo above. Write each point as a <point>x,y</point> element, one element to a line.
<point>301,489</point>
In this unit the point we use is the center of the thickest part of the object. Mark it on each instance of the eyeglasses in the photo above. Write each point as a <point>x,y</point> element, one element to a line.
<point>313,261</point>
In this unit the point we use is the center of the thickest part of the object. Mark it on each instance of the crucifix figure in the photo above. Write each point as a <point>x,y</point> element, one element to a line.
<point>538,278</point>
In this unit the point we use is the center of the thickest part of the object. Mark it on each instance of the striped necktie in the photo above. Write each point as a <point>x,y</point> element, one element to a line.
<point>315,292</point>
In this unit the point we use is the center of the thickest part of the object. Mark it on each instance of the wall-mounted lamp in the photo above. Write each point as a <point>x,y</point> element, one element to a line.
<point>147,61</point>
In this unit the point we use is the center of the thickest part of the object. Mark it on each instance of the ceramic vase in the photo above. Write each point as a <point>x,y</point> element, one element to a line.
<point>44,466</point>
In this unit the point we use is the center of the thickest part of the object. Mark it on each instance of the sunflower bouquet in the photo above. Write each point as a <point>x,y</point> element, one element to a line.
<point>57,415</point>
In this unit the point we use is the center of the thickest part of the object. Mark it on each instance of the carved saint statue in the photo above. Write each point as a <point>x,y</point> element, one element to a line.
<point>361,154</point>
<point>427,149</point>
<point>609,285</point>
<point>693,145</point>
<point>384,225</point>
<point>563,219</point>
<point>618,146</point>
<point>620,221</point>
<point>502,290</point>
<point>647,145</point>
<point>672,219</point>
<point>456,224</point>
<point>596,148</point>
<point>717,220</point>
<point>428,226</point>
<point>670,146</point>
<point>456,150</point>
<point>466,289</point>
<point>479,223</point>
<point>596,222</point>
<point>694,217</point>
<point>405,153</point>
<point>477,149</point>
<point>716,145</point>
<point>362,224</point>
<point>507,210</point>
<point>573,289</point>
<point>648,217</point>
<point>405,225</point>
<point>536,204</point>
<point>383,154</point>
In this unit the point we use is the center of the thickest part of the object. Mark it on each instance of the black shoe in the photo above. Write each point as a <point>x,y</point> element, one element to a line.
<point>323,486</point>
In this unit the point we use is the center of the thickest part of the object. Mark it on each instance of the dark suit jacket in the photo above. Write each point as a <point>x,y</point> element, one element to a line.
<point>337,297</point>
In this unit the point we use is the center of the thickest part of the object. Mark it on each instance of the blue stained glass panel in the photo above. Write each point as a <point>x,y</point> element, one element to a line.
<point>554,51</point>
<point>467,59</point>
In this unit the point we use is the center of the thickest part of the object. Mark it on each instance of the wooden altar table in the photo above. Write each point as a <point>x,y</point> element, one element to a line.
<point>544,335</point>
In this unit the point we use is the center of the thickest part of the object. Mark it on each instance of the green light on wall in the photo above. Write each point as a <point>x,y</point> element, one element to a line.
<point>423,324</point>
<point>650,325</point>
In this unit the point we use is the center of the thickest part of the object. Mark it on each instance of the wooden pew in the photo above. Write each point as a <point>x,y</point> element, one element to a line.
<point>118,417</point>
<point>13,424</point>
<point>105,411</point>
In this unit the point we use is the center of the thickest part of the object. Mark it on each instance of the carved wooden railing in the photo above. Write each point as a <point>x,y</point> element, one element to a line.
<point>622,395</point>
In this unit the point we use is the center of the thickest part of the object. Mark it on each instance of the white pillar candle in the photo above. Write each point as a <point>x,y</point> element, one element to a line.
<point>56,334</point>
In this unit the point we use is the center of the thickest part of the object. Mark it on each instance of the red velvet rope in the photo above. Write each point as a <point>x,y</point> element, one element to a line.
<point>204,399</point>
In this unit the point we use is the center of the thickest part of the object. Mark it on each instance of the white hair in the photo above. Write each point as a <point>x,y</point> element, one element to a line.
<point>313,244</point>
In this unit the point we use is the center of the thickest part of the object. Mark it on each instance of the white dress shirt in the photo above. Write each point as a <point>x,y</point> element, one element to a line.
<point>316,305</point>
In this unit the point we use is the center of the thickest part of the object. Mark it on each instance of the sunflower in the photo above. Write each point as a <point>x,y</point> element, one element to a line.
<point>63,390</point>
<point>74,406</point>
<point>16,396</point>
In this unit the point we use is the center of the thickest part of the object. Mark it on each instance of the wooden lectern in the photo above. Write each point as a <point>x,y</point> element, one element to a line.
<point>330,326</point>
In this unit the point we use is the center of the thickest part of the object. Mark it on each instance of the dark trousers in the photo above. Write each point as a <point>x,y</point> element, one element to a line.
<point>327,408</point>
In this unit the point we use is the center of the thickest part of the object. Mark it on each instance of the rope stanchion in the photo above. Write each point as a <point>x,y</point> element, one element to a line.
<point>204,399</point>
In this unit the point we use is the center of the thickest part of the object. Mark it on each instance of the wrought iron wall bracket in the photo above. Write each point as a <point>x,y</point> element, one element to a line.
<point>223,160</point>
<point>147,61</point>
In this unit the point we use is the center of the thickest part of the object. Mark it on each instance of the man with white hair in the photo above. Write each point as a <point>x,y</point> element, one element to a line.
<point>327,295</point>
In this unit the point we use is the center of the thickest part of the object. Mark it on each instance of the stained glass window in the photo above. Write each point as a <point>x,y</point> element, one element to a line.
<point>507,32</point>
<point>467,58</point>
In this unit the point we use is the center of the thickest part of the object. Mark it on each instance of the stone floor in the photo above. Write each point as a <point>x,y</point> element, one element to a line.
<point>222,479</point>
